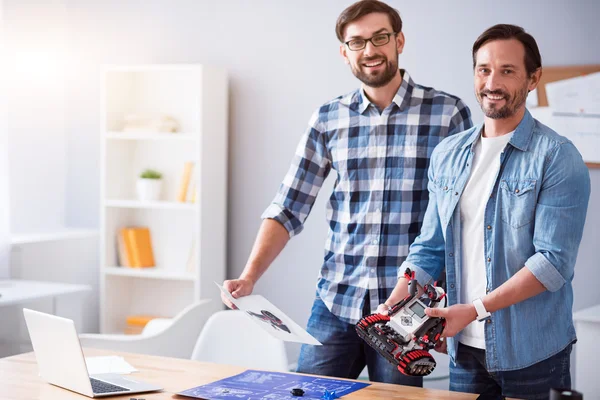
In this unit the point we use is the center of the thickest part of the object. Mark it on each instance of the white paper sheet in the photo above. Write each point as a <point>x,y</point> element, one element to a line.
<point>532,99</point>
<point>543,115</point>
<point>271,318</point>
<point>108,365</point>
<point>580,95</point>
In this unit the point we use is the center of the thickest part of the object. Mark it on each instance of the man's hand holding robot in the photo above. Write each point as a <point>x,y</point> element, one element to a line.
<point>404,333</point>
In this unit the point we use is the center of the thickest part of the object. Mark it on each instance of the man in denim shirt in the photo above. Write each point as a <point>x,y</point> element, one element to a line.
<point>507,206</point>
<point>378,140</point>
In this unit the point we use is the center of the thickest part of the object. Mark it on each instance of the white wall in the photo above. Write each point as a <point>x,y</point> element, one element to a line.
<point>35,64</point>
<point>4,174</point>
<point>283,62</point>
<point>35,59</point>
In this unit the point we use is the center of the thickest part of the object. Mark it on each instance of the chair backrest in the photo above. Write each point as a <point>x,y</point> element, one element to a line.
<point>230,337</point>
<point>157,325</point>
<point>170,338</point>
<point>180,335</point>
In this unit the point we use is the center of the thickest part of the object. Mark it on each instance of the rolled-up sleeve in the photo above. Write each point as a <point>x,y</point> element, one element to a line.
<point>545,272</point>
<point>299,189</point>
<point>560,217</point>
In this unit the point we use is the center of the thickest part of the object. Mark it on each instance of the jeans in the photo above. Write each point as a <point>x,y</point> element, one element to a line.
<point>534,382</point>
<point>344,354</point>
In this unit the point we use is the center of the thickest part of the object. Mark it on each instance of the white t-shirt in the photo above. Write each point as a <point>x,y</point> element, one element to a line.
<point>486,164</point>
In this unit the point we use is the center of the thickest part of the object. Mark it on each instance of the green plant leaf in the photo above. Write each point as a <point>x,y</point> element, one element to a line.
<point>150,174</point>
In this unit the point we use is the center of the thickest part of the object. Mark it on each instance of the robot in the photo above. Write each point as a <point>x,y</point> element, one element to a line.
<point>270,318</point>
<point>405,336</point>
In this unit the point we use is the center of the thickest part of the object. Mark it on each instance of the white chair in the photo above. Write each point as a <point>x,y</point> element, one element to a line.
<point>230,337</point>
<point>161,337</point>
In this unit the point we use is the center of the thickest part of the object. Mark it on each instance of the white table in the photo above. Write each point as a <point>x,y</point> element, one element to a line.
<point>16,291</point>
<point>15,294</point>
<point>587,351</point>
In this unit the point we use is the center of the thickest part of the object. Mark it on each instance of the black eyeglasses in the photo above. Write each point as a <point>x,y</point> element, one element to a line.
<point>380,39</point>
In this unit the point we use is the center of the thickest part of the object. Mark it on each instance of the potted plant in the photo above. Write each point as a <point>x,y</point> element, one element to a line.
<point>149,185</point>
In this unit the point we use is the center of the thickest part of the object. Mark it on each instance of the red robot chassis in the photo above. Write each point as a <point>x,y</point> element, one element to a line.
<point>405,336</point>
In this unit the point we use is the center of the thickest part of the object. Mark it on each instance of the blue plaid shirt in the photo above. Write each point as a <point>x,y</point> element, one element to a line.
<point>380,194</point>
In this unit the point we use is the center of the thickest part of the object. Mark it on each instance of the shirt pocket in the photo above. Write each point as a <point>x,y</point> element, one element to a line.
<point>518,201</point>
<point>444,196</point>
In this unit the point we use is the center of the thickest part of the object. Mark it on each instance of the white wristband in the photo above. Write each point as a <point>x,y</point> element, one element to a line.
<point>482,313</point>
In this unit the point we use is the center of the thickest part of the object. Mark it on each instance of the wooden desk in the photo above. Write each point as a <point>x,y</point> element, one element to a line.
<point>19,380</point>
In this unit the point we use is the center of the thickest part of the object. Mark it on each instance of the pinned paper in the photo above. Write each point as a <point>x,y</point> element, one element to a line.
<point>579,95</point>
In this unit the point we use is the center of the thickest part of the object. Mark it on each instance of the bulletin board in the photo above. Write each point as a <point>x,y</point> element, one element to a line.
<point>551,74</point>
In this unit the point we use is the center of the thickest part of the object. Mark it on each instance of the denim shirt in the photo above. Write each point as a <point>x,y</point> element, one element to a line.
<point>534,218</point>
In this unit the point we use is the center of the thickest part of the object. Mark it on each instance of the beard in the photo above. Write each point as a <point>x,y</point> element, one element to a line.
<point>511,103</point>
<point>379,79</point>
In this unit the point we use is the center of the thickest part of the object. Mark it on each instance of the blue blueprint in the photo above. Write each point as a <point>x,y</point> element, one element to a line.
<point>262,385</point>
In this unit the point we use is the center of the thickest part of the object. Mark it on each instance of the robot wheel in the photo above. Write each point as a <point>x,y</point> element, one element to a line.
<point>416,363</point>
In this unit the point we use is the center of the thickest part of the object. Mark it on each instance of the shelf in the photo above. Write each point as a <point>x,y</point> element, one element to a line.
<point>168,136</point>
<point>188,239</point>
<point>62,234</point>
<point>147,273</point>
<point>164,205</point>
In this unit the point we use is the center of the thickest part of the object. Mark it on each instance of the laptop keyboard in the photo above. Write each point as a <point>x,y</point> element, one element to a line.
<point>99,387</point>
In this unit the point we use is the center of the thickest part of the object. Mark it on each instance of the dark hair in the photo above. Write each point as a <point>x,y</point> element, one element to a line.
<point>362,8</point>
<point>533,59</point>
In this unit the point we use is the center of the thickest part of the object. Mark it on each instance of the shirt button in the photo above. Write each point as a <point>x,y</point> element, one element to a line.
<point>375,241</point>
<point>489,259</point>
<point>517,191</point>
<point>489,321</point>
<point>378,210</point>
<point>451,254</point>
<point>489,227</point>
<point>456,193</point>
<point>445,187</point>
<point>452,285</point>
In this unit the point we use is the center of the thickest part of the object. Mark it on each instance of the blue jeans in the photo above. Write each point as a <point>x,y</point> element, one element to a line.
<point>344,354</point>
<point>534,382</point>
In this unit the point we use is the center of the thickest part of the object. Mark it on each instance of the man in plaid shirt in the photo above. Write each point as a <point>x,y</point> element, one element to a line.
<point>378,139</point>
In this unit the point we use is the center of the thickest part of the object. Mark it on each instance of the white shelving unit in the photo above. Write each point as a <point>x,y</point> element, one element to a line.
<point>196,96</point>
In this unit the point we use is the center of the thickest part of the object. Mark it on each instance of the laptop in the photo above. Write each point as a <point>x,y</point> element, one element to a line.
<point>61,362</point>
